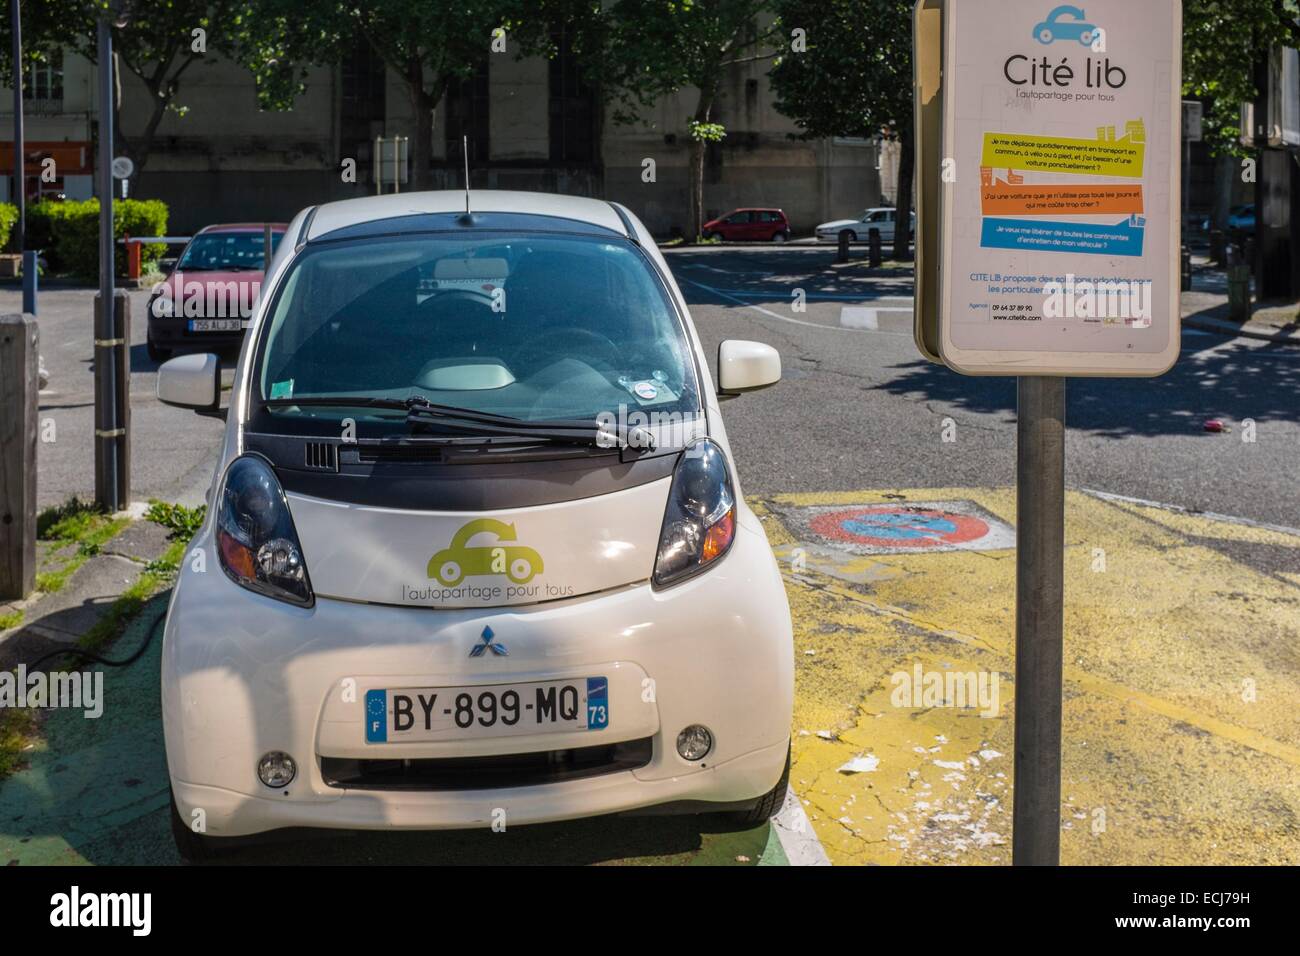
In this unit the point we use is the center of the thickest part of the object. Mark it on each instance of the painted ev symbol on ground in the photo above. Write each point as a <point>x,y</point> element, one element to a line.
<point>887,525</point>
<point>900,527</point>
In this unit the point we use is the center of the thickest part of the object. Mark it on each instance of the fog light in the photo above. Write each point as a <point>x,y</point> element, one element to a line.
<point>694,742</point>
<point>276,769</point>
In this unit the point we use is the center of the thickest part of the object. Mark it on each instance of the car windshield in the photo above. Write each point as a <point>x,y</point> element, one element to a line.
<point>534,327</point>
<point>225,251</point>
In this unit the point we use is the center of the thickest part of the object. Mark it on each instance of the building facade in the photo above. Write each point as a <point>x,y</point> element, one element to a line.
<point>531,123</point>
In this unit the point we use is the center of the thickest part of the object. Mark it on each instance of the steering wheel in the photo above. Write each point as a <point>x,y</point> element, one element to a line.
<point>548,343</point>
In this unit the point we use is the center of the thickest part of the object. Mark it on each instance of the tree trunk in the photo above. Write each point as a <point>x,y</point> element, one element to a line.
<point>903,204</point>
<point>422,142</point>
<point>695,207</point>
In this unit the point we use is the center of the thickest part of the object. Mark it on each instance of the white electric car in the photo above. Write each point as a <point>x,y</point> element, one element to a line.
<point>476,551</point>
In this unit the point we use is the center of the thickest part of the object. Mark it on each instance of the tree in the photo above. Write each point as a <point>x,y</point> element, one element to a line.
<point>427,43</point>
<point>1222,42</point>
<point>854,79</point>
<point>646,49</point>
<point>158,41</point>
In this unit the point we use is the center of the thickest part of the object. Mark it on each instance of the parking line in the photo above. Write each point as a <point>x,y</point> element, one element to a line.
<point>796,835</point>
<point>767,312</point>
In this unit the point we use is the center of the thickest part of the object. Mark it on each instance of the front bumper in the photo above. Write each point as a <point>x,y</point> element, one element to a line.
<point>243,675</point>
<point>175,334</point>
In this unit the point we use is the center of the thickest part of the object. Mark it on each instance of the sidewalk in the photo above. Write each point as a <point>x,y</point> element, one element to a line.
<point>94,572</point>
<point>1206,308</point>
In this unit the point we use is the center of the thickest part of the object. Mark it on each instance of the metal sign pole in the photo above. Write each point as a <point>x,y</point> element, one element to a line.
<point>20,171</point>
<point>106,425</point>
<point>1040,572</point>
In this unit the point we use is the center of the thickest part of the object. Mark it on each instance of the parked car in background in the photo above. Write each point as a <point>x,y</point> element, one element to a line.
<point>1242,218</point>
<point>859,230</point>
<point>752,225</point>
<point>207,299</point>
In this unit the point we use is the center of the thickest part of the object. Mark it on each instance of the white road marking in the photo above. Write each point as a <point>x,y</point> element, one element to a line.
<point>768,312</point>
<point>1213,515</point>
<point>797,836</point>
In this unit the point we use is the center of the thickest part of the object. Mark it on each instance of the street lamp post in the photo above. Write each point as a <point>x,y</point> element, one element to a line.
<point>107,428</point>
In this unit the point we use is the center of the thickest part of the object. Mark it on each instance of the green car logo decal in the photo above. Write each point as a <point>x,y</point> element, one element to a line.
<point>459,561</point>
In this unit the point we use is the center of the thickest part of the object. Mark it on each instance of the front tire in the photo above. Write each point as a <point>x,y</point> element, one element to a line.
<point>780,237</point>
<point>192,847</point>
<point>769,804</point>
<point>156,354</point>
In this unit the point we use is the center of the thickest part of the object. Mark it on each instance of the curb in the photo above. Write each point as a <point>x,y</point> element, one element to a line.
<point>1224,327</point>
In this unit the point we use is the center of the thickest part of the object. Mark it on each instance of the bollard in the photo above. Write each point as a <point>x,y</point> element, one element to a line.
<point>19,345</point>
<point>842,253</point>
<point>1238,286</point>
<point>1186,271</point>
<point>31,278</point>
<point>1218,247</point>
<point>873,247</point>
<point>112,404</point>
<point>133,257</point>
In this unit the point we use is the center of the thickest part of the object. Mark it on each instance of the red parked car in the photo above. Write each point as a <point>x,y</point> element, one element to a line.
<point>753,225</point>
<point>207,300</point>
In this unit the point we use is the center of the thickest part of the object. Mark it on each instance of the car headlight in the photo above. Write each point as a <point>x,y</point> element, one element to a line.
<point>256,540</point>
<point>700,520</point>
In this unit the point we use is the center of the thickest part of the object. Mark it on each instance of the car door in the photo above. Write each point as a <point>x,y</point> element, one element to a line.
<point>738,225</point>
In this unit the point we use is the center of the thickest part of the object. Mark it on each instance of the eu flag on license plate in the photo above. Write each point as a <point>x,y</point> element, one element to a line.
<point>376,716</point>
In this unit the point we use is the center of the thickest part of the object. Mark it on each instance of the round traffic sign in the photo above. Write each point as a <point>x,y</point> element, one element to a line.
<point>122,167</point>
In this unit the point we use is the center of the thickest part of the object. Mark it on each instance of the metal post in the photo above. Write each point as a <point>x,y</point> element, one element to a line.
<point>20,168</point>
<point>266,249</point>
<point>107,430</point>
<point>18,422</point>
<point>1040,567</point>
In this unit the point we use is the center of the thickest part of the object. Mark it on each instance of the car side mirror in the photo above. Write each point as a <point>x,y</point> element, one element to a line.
<point>746,367</point>
<point>191,381</point>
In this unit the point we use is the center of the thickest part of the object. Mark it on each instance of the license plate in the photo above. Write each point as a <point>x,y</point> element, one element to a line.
<point>216,325</point>
<point>497,710</point>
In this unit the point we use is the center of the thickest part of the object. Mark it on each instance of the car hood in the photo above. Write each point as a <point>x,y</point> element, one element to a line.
<point>839,224</point>
<point>489,559</point>
<point>191,294</point>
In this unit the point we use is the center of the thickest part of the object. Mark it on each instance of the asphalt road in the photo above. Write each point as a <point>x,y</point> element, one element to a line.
<point>173,451</point>
<point>862,409</point>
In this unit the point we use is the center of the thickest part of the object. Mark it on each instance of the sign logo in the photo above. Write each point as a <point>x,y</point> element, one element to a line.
<point>458,561</point>
<point>478,650</point>
<point>1066,23</point>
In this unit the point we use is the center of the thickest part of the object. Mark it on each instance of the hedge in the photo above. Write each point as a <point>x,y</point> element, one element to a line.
<point>8,216</point>
<point>68,233</point>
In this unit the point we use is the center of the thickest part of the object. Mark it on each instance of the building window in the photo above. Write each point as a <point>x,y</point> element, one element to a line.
<point>362,102</point>
<point>43,88</point>
<point>466,107</point>
<point>572,106</point>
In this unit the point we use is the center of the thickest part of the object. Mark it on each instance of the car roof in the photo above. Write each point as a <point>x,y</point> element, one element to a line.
<point>243,227</point>
<point>333,216</point>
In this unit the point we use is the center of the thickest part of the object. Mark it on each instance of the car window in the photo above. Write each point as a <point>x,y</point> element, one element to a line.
<point>877,216</point>
<point>226,251</point>
<point>739,218</point>
<point>532,326</point>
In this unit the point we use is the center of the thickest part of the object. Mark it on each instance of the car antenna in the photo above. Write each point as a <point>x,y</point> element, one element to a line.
<point>464,150</point>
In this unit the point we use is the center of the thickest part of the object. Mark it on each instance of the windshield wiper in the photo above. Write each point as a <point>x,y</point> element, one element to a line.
<point>420,411</point>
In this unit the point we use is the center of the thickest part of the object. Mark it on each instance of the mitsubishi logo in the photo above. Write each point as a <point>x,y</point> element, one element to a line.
<point>488,645</point>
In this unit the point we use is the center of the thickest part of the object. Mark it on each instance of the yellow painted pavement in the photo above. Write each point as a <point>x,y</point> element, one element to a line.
<point>1182,689</point>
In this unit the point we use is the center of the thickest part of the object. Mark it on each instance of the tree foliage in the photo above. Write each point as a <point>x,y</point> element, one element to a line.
<point>853,79</point>
<point>642,50</point>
